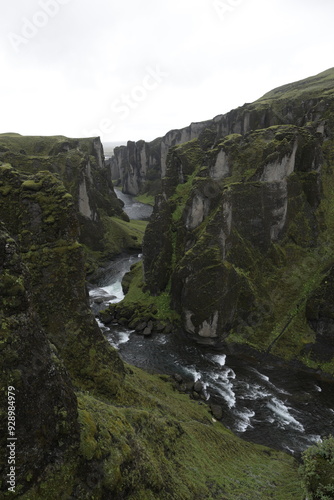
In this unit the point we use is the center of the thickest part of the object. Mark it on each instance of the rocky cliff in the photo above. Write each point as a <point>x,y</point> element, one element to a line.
<point>246,212</point>
<point>80,164</point>
<point>140,166</point>
<point>51,347</point>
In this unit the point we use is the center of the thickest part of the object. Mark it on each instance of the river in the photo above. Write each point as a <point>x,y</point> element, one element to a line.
<point>284,409</point>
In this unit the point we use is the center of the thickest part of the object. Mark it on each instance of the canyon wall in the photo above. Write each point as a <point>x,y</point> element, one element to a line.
<point>246,209</point>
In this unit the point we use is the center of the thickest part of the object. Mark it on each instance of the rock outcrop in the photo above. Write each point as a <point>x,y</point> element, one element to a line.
<point>247,209</point>
<point>51,347</point>
<point>87,426</point>
<point>140,166</point>
<point>41,217</point>
<point>80,164</point>
<point>45,405</point>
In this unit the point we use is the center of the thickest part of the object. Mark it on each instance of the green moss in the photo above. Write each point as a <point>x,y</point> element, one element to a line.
<point>88,443</point>
<point>31,185</point>
<point>140,304</point>
<point>154,442</point>
<point>57,482</point>
<point>120,235</point>
<point>318,470</point>
<point>5,190</point>
<point>146,198</point>
<point>5,167</point>
<point>181,196</point>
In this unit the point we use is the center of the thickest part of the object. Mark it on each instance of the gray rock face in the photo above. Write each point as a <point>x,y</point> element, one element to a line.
<point>137,164</point>
<point>80,165</point>
<point>244,205</point>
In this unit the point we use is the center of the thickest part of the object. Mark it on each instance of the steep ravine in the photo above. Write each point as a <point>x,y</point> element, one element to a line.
<point>281,408</point>
<point>88,425</point>
<point>239,249</point>
<point>105,230</point>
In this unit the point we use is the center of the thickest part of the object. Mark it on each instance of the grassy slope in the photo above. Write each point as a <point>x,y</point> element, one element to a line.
<point>153,443</point>
<point>119,236</point>
<point>145,198</point>
<point>37,145</point>
<point>319,85</point>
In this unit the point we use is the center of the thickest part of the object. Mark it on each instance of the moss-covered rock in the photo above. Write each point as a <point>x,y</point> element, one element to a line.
<point>36,390</point>
<point>139,167</point>
<point>45,225</point>
<point>158,250</point>
<point>80,164</point>
<point>251,227</point>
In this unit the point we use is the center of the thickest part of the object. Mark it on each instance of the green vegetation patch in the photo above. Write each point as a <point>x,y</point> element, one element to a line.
<point>139,304</point>
<point>146,198</point>
<point>318,85</point>
<point>318,470</point>
<point>163,445</point>
<point>153,443</point>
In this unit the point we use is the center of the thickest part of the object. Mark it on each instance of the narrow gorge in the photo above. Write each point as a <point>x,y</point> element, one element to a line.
<point>235,267</point>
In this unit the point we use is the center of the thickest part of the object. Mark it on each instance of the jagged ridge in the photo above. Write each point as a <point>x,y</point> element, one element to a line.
<point>140,166</point>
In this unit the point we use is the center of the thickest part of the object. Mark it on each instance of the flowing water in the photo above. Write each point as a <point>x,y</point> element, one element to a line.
<point>133,208</point>
<point>281,408</point>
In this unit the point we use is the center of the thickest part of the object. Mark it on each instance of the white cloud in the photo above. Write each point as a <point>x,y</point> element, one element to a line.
<point>87,55</point>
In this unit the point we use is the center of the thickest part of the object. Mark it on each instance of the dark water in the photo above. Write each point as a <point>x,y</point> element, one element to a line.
<point>134,209</point>
<point>281,408</point>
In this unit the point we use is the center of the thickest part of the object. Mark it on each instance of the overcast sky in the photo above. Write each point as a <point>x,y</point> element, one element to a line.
<point>135,69</point>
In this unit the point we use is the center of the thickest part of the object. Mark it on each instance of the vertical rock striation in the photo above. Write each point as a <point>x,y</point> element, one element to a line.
<point>140,166</point>
<point>249,212</point>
